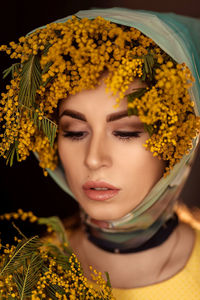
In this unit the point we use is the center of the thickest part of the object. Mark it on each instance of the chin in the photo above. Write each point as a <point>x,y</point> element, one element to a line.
<point>104,213</point>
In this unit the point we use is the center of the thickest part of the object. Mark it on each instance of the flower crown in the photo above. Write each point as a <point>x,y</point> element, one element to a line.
<point>66,58</point>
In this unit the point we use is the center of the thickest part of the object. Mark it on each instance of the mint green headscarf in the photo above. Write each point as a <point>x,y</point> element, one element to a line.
<point>178,36</point>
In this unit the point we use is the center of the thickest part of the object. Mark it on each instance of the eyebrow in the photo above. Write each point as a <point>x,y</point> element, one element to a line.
<point>73,114</point>
<point>117,115</point>
<point>79,116</point>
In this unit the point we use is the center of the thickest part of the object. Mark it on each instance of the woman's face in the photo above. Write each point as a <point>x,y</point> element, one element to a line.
<point>101,149</point>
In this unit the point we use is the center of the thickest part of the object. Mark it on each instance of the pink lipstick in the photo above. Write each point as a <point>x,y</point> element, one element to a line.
<point>99,190</point>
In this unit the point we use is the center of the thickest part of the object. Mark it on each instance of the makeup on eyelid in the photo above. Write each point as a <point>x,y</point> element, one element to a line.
<point>121,129</point>
<point>114,129</point>
<point>125,124</point>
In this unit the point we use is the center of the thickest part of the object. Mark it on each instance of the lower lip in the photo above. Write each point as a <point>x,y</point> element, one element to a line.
<point>100,195</point>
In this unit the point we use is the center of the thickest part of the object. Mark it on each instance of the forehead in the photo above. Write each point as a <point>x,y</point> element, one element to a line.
<point>98,99</point>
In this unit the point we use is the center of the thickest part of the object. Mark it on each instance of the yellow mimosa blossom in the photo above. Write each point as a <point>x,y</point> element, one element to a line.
<point>70,57</point>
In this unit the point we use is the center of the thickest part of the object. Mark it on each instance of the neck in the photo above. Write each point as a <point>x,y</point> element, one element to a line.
<point>136,269</point>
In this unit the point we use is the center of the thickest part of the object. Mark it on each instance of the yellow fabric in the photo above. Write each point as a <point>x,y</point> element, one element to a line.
<point>185,285</point>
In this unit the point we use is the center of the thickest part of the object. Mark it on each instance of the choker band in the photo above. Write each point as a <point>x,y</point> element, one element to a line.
<point>156,240</point>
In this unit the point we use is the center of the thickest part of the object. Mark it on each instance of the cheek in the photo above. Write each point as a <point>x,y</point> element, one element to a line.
<point>140,166</point>
<point>70,160</point>
<point>141,171</point>
<point>150,169</point>
<point>65,154</point>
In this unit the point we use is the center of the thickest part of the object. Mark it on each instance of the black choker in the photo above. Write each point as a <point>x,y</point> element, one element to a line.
<point>157,239</point>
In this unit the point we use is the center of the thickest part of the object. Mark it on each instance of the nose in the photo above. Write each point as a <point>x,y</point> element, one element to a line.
<point>97,153</point>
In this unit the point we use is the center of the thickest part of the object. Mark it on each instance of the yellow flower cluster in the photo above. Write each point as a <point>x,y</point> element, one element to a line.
<point>73,283</point>
<point>119,80</point>
<point>9,116</point>
<point>70,284</point>
<point>168,109</point>
<point>98,281</point>
<point>7,287</point>
<point>59,274</point>
<point>20,214</point>
<point>72,56</point>
<point>47,154</point>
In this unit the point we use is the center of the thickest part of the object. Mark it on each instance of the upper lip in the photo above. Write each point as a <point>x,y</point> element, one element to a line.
<point>98,184</point>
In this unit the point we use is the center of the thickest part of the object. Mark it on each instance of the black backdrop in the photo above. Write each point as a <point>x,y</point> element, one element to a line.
<point>24,185</point>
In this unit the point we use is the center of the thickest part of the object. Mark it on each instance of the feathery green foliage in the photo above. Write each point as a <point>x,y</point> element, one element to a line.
<point>137,94</point>
<point>148,67</point>
<point>134,111</point>
<point>30,80</point>
<point>28,279</point>
<point>12,69</point>
<point>22,251</point>
<point>11,153</point>
<point>48,127</point>
<point>57,226</point>
<point>45,70</point>
<point>59,255</point>
<point>108,279</point>
<point>149,128</point>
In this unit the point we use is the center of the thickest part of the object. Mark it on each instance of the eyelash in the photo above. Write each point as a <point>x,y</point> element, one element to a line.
<point>122,135</point>
<point>127,135</point>
<point>75,135</point>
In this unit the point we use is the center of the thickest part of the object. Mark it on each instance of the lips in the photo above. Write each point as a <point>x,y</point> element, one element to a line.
<point>99,190</point>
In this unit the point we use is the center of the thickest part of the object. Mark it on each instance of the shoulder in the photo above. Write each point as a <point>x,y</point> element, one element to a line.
<point>195,255</point>
<point>184,284</point>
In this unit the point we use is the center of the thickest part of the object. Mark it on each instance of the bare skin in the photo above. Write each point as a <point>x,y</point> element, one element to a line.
<point>90,149</point>
<point>137,269</point>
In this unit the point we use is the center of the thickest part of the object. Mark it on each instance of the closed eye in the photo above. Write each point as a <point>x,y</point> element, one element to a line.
<point>123,135</point>
<point>75,135</point>
<point>126,135</point>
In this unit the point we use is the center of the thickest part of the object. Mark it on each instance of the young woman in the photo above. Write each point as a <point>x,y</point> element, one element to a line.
<point>119,84</point>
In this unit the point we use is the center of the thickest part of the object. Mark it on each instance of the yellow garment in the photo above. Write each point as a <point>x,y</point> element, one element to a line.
<point>185,285</point>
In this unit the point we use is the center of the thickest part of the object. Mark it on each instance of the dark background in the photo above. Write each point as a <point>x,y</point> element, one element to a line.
<point>24,185</point>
